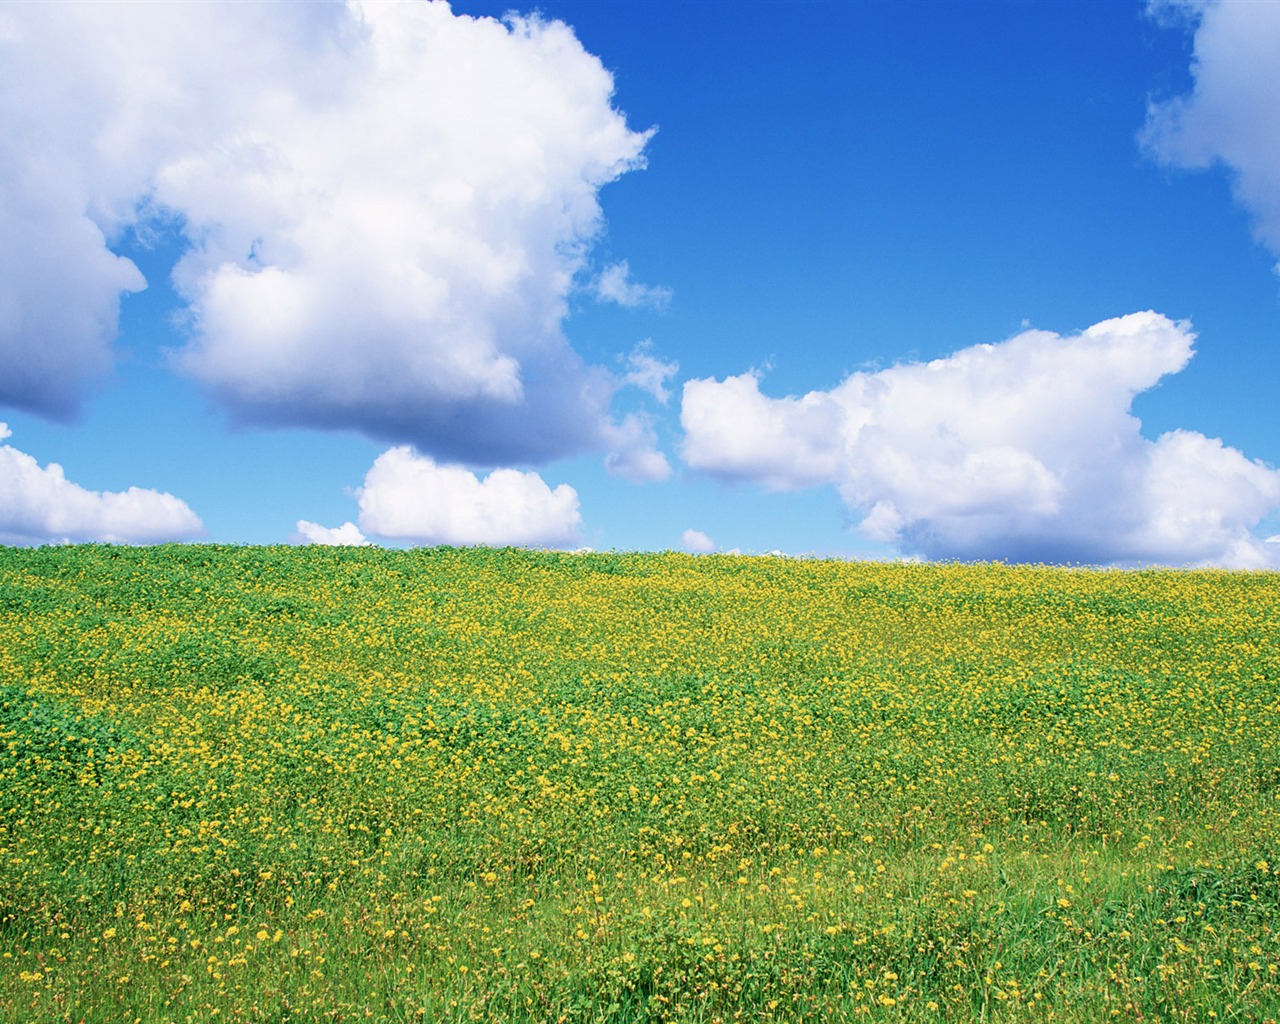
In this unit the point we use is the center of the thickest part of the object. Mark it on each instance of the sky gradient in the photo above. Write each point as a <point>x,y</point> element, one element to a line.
<point>976,281</point>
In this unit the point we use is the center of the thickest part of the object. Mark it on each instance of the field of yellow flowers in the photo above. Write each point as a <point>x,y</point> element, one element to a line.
<point>297,784</point>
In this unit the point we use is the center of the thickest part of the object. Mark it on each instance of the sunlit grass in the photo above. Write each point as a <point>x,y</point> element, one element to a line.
<point>270,784</point>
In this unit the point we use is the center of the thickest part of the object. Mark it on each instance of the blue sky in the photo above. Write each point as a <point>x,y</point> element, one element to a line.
<point>857,280</point>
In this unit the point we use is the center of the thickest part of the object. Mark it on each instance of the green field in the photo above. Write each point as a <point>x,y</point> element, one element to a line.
<point>296,784</point>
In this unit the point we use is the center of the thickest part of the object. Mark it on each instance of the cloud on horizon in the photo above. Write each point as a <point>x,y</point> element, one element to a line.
<point>39,505</point>
<point>697,542</point>
<point>347,535</point>
<point>1024,450</point>
<point>385,207</point>
<point>407,496</point>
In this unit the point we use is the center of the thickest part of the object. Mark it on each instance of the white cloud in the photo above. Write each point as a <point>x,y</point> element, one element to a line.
<point>386,206</point>
<point>633,451</point>
<point>407,496</point>
<point>649,373</point>
<point>1232,114</point>
<point>93,97</point>
<point>60,286</point>
<point>346,535</point>
<point>1201,498</point>
<point>734,432</point>
<point>39,505</point>
<point>1023,450</point>
<point>615,285</point>
<point>697,542</point>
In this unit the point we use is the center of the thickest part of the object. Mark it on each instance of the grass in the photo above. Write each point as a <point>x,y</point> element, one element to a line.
<point>276,784</point>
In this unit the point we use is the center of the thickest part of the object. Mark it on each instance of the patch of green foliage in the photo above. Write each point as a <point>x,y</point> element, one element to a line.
<point>311,784</point>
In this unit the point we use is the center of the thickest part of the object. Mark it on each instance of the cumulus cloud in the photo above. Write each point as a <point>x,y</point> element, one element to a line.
<point>633,454</point>
<point>408,496</point>
<point>385,207</point>
<point>697,542</point>
<point>39,505</point>
<point>1024,450</point>
<point>615,284</point>
<point>347,535</point>
<point>734,432</point>
<point>93,98</point>
<point>649,373</point>
<point>1232,114</point>
<point>60,286</point>
<point>53,350</point>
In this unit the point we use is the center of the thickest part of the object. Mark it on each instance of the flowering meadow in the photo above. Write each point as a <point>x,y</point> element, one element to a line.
<point>340,784</point>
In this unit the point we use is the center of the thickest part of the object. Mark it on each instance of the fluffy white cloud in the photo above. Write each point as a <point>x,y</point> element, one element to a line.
<point>1023,450</point>
<point>347,535</point>
<point>697,542</point>
<point>615,285</point>
<point>734,432</point>
<point>93,98</point>
<point>649,373</point>
<point>1232,115</point>
<point>60,286</point>
<point>39,505</point>
<point>633,454</point>
<point>386,206</point>
<point>1202,497</point>
<point>408,496</point>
